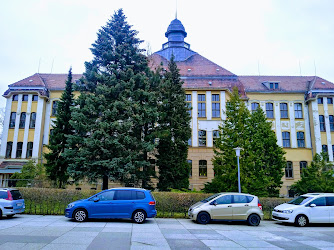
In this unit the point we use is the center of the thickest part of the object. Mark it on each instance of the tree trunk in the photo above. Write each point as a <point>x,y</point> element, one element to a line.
<point>105,182</point>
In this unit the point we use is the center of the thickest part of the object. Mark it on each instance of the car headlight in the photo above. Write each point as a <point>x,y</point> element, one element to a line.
<point>287,211</point>
<point>70,205</point>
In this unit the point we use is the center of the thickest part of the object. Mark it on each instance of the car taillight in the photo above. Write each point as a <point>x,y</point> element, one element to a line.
<point>151,203</point>
<point>10,197</point>
<point>259,205</point>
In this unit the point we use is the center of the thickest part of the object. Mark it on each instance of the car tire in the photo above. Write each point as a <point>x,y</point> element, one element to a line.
<point>301,220</point>
<point>253,220</point>
<point>139,216</point>
<point>80,215</point>
<point>203,218</point>
<point>10,215</point>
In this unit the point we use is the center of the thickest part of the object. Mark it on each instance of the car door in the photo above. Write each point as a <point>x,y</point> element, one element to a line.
<point>221,208</point>
<point>102,207</point>
<point>123,203</point>
<point>319,213</point>
<point>240,207</point>
<point>330,204</point>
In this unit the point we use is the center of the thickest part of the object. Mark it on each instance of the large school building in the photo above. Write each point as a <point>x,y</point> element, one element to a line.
<point>300,108</point>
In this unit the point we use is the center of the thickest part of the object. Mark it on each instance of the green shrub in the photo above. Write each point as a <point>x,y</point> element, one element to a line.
<point>48,201</point>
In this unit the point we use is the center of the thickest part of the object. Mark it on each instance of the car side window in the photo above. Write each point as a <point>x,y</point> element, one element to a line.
<point>320,202</point>
<point>139,195</point>
<point>3,195</point>
<point>240,199</point>
<point>106,196</point>
<point>123,195</point>
<point>226,199</point>
<point>330,201</point>
<point>250,198</point>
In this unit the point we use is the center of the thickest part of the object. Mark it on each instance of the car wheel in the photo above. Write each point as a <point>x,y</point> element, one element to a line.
<point>80,215</point>
<point>10,215</point>
<point>301,220</point>
<point>203,218</point>
<point>253,220</point>
<point>139,216</point>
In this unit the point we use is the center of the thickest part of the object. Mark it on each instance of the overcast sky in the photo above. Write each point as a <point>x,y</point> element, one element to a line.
<point>270,37</point>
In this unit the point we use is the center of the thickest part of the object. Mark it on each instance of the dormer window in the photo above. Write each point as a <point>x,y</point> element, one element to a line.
<point>273,85</point>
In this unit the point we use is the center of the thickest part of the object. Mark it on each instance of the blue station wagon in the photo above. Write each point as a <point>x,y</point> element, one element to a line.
<point>116,203</point>
<point>11,202</point>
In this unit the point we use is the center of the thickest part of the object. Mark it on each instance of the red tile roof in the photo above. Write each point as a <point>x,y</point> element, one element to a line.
<point>5,164</point>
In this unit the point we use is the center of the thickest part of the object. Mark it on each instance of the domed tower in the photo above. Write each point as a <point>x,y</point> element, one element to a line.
<point>176,44</point>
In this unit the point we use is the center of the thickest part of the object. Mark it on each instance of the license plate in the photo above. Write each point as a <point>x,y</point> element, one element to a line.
<point>19,204</point>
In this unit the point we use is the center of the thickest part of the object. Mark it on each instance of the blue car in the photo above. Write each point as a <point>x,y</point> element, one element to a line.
<point>116,203</point>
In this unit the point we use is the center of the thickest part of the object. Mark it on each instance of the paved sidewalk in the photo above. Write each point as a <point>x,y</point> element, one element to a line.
<point>58,232</point>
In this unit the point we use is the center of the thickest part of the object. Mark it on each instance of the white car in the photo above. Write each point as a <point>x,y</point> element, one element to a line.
<point>307,208</point>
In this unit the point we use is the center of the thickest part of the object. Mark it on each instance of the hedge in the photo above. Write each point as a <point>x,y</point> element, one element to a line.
<point>47,201</point>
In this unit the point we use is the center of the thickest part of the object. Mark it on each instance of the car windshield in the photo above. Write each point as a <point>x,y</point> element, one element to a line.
<point>210,198</point>
<point>300,200</point>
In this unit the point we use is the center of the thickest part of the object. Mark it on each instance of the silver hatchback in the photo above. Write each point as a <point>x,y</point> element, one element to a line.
<point>11,202</point>
<point>228,207</point>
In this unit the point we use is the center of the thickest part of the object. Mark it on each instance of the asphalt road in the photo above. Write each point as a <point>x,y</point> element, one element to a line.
<point>58,232</point>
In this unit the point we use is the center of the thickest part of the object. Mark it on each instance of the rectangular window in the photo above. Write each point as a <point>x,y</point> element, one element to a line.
<point>15,98</point>
<point>273,85</point>
<point>201,110</point>
<point>188,98</point>
<point>25,98</point>
<point>189,142</point>
<point>202,138</point>
<point>29,149</point>
<point>203,169</point>
<point>329,100</point>
<point>190,163</point>
<point>35,98</point>
<point>324,148</point>
<point>215,98</point>
<point>289,170</point>
<point>320,100</point>
<point>54,108</point>
<point>270,110</point>
<point>12,120</point>
<point>284,110</point>
<point>188,104</point>
<point>9,149</point>
<point>286,139</point>
<point>201,98</point>
<point>215,135</point>
<point>302,165</point>
<point>322,123</point>
<point>298,111</point>
<point>300,140</point>
<point>19,150</point>
<point>215,109</point>
<point>331,122</point>
<point>22,120</point>
<point>32,123</point>
<point>255,105</point>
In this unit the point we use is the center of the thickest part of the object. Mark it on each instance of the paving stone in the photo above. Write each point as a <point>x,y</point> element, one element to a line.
<point>12,246</point>
<point>174,231</point>
<point>210,236</point>
<point>111,240</point>
<point>26,239</point>
<point>68,246</point>
<point>237,235</point>
<point>34,246</point>
<point>186,244</point>
<point>292,245</point>
<point>318,243</point>
<point>87,229</point>
<point>255,244</point>
<point>180,236</point>
<point>221,243</point>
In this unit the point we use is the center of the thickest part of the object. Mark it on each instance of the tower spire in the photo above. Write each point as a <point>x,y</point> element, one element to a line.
<point>176,9</point>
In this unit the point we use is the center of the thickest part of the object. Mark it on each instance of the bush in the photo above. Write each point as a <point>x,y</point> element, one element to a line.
<point>48,201</point>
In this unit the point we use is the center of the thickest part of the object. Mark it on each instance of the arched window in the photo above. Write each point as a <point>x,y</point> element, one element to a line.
<point>284,110</point>
<point>203,169</point>
<point>190,163</point>
<point>286,139</point>
<point>54,108</point>
<point>300,140</point>
<point>302,165</point>
<point>255,105</point>
<point>19,149</point>
<point>22,120</point>
<point>9,149</point>
<point>12,120</point>
<point>29,149</point>
<point>270,110</point>
<point>215,135</point>
<point>289,170</point>
<point>298,110</point>
<point>202,138</point>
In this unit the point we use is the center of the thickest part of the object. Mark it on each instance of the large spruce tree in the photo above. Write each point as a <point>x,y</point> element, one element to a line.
<point>261,161</point>
<point>57,163</point>
<point>115,111</point>
<point>174,132</point>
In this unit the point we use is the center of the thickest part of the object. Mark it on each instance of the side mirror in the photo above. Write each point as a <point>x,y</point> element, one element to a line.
<point>96,199</point>
<point>213,203</point>
<point>313,205</point>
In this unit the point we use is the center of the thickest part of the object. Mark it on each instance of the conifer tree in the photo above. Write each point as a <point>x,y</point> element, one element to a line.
<point>175,131</point>
<point>115,110</point>
<point>57,163</point>
<point>232,133</point>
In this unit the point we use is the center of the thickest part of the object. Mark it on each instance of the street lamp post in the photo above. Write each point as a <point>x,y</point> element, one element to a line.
<point>237,152</point>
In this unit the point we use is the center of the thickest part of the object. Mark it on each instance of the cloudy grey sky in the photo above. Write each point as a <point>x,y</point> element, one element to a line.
<point>270,37</point>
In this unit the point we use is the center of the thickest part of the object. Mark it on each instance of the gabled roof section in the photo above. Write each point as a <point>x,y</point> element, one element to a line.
<point>195,65</point>
<point>57,81</point>
<point>31,81</point>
